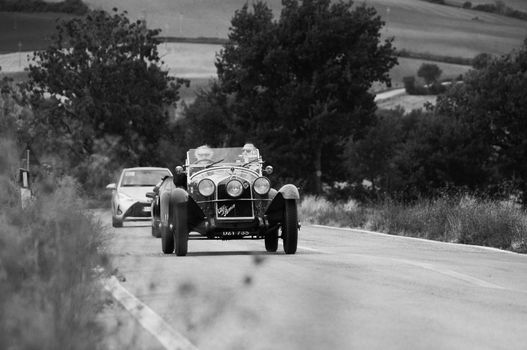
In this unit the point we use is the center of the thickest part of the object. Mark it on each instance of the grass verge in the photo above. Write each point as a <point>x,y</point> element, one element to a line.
<point>50,263</point>
<point>459,219</point>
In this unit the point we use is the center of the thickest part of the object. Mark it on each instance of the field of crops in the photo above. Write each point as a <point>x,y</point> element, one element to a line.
<point>416,25</point>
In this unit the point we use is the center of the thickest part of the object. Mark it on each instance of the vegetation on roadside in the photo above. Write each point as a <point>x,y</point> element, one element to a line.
<point>50,255</point>
<point>457,218</point>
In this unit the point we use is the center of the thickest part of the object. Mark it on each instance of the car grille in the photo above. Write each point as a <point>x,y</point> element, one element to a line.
<point>136,210</point>
<point>229,208</point>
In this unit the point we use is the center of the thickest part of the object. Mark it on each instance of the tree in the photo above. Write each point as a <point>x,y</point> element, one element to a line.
<point>493,101</point>
<point>429,72</point>
<point>481,60</point>
<point>300,83</point>
<point>99,87</point>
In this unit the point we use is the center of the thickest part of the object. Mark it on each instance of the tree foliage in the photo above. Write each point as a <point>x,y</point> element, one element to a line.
<point>429,72</point>
<point>77,7</point>
<point>300,83</point>
<point>473,140</point>
<point>99,89</point>
<point>493,100</point>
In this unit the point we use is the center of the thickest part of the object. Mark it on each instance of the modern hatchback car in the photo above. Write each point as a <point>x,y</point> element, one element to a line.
<point>129,201</point>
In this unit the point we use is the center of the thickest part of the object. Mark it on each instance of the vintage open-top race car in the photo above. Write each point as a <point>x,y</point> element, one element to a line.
<point>223,193</point>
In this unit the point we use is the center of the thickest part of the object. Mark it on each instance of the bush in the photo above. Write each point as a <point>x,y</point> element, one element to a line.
<point>318,210</point>
<point>409,84</point>
<point>467,5</point>
<point>50,253</point>
<point>449,218</point>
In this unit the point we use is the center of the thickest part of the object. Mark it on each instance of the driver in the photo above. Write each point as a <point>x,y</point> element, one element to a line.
<point>204,153</point>
<point>249,152</point>
<point>250,156</point>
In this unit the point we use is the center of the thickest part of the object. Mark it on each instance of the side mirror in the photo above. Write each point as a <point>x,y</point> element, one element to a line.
<point>268,170</point>
<point>150,195</point>
<point>111,186</point>
<point>179,170</point>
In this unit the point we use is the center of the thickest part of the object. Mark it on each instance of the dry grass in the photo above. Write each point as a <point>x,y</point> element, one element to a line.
<point>461,219</point>
<point>50,258</point>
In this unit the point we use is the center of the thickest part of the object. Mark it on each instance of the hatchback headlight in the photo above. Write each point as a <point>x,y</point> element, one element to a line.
<point>206,187</point>
<point>234,188</point>
<point>261,186</point>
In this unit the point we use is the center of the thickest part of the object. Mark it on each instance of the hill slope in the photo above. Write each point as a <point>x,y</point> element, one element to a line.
<point>417,25</point>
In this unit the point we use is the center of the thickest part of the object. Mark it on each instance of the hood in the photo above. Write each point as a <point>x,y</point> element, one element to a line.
<point>138,193</point>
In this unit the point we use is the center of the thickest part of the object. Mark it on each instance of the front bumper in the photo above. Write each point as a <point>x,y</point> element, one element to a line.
<point>134,212</point>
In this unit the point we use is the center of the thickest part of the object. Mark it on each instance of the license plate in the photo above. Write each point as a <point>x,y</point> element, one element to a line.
<point>147,209</point>
<point>235,233</point>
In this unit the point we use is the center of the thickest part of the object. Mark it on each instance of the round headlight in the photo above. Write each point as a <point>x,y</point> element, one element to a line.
<point>261,185</point>
<point>206,187</point>
<point>234,188</point>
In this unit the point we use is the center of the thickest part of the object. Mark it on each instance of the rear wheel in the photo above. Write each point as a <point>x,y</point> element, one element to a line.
<point>271,241</point>
<point>181,229</point>
<point>167,239</point>
<point>290,227</point>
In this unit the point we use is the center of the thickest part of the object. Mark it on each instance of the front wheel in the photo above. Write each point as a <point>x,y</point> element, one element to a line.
<point>167,240</point>
<point>271,241</point>
<point>290,227</point>
<point>156,230</point>
<point>181,229</point>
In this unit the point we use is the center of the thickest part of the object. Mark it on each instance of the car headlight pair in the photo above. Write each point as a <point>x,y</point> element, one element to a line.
<point>234,187</point>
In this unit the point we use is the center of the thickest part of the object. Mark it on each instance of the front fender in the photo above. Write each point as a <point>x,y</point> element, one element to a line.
<point>178,195</point>
<point>169,197</point>
<point>289,192</point>
<point>276,209</point>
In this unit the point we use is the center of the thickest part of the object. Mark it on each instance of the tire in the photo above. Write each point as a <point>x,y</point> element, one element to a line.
<point>271,241</point>
<point>167,240</point>
<point>156,230</point>
<point>117,222</point>
<point>290,227</point>
<point>181,229</point>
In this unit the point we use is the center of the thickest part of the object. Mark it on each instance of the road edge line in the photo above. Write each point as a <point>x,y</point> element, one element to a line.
<point>148,318</point>
<point>416,238</point>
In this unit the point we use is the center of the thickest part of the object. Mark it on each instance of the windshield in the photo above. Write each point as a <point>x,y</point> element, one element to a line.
<point>143,177</point>
<point>202,157</point>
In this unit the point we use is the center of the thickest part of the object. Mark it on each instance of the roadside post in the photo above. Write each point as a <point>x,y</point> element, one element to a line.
<point>25,187</point>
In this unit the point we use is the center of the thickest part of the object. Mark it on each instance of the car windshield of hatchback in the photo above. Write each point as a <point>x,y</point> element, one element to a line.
<point>142,177</point>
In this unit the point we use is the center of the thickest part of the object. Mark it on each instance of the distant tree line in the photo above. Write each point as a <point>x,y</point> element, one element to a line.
<point>296,86</point>
<point>473,140</point>
<point>77,7</point>
<point>498,7</point>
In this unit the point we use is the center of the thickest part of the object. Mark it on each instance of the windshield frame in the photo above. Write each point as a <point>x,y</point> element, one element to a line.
<point>223,157</point>
<point>161,172</point>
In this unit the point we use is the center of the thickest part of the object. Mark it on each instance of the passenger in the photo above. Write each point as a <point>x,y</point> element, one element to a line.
<point>204,154</point>
<point>250,157</point>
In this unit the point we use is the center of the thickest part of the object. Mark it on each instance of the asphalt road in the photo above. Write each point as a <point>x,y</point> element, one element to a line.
<point>343,289</point>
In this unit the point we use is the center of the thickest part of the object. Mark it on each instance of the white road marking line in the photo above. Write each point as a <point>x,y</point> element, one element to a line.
<point>461,276</point>
<point>304,248</point>
<point>152,322</point>
<point>415,238</point>
<point>310,249</point>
